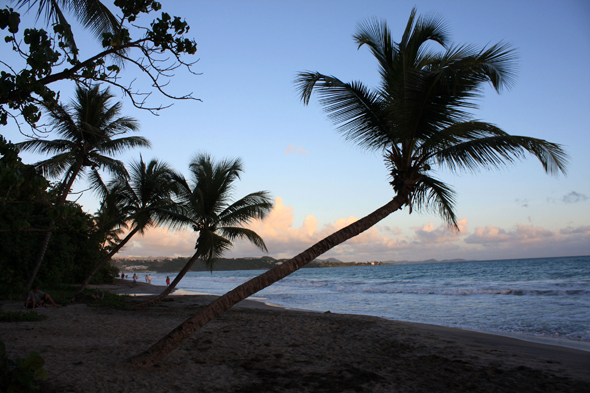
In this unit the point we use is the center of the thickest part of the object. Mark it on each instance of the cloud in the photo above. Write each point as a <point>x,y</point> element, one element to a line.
<point>488,234</point>
<point>389,230</point>
<point>427,233</point>
<point>285,239</point>
<point>299,150</point>
<point>161,242</point>
<point>574,197</point>
<point>523,202</point>
<point>522,234</point>
<point>575,231</point>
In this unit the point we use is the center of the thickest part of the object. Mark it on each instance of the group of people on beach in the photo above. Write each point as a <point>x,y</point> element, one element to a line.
<point>148,278</point>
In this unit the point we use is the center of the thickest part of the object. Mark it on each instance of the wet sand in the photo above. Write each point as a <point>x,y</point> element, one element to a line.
<point>259,348</point>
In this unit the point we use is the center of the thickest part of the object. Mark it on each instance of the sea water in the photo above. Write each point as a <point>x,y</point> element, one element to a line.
<point>543,298</point>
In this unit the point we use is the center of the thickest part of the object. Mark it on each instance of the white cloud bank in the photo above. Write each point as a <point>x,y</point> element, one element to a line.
<point>382,243</point>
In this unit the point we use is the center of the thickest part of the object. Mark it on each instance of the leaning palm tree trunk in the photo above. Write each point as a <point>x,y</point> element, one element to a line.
<point>170,288</point>
<point>104,260</point>
<point>177,336</point>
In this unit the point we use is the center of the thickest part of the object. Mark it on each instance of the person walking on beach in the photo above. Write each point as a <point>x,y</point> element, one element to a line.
<point>150,279</point>
<point>38,299</point>
<point>134,278</point>
<point>122,276</point>
<point>146,279</point>
<point>167,280</point>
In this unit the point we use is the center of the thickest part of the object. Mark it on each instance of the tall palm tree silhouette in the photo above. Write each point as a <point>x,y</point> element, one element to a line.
<point>90,127</point>
<point>418,118</point>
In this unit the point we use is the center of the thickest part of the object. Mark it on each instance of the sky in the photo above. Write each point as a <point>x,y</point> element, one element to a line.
<point>249,53</point>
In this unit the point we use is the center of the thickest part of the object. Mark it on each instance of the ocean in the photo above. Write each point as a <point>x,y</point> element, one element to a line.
<point>542,299</point>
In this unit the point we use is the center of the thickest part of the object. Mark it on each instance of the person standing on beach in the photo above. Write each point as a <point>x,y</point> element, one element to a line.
<point>134,278</point>
<point>146,279</point>
<point>122,276</point>
<point>167,280</point>
<point>150,279</point>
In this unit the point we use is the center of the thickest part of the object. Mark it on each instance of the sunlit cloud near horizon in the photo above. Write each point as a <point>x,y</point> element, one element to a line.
<point>285,239</point>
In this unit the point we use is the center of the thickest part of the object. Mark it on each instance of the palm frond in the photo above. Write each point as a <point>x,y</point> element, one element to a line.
<point>497,151</point>
<point>354,108</point>
<point>253,206</point>
<point>433,195</point>
<point>119,145</point>
<point>55,166</point>
<point>235,233</point>
<point>211,246</point>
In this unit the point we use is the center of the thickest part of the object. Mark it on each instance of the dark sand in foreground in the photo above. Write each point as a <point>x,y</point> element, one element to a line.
<point>257,348</point>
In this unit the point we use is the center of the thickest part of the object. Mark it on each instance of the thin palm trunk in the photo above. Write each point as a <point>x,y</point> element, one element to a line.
<point>39,259</point>
<point>177,336</point>
<point>105,260</point>
<point>45,243</point>
<point>170,288</point>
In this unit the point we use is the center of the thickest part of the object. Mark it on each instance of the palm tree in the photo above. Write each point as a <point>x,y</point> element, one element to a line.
<point>208,210</point>
<point>418,118</point>
<point>145,201</point>
<point>90,127</point>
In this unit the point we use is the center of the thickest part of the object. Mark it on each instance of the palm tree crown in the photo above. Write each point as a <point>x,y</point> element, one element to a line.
<point>206,205</point>
<point>418,117</point>
<point>208,209</point>
<point>138,201</point>
<point>89,127</point>
<point>145,197</point>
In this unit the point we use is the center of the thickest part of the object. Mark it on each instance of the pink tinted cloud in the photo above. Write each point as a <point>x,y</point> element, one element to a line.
<point>285,239</point>
<point>427,233</point>
<point>522,234</point>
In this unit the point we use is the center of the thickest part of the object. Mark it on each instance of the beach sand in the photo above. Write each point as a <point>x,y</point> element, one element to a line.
<point>259,348</point>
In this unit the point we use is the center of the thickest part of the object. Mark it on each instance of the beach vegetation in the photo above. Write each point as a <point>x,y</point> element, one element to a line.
<point>89,128</point>
<point>21,316</point>
<point>21,375</point>
<point>155,51</point>
<point>27,210</point>
<point>111,300</point>
<point>140,198</point>
<point>419,120</point>
<point>207,208</point>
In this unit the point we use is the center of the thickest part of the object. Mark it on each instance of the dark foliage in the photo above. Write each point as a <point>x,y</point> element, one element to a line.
<point>25,217</point>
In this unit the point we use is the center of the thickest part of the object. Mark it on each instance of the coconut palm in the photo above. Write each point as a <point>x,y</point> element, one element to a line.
<point>90,127</point>
<point>418,119</point>
<point>145,201</point>
<point>208,210</point>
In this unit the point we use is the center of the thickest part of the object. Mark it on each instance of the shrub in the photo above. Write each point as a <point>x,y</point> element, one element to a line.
<point>21,375</point>
<point>20,316</point>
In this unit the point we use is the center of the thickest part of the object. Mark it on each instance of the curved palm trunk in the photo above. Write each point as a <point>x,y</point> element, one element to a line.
<point>170,288</point>
<point>104,260</point>
<point>177,336</point>
<point>62,199</point>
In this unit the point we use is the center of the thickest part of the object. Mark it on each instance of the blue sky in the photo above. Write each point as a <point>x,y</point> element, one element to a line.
<point>249,54</point>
